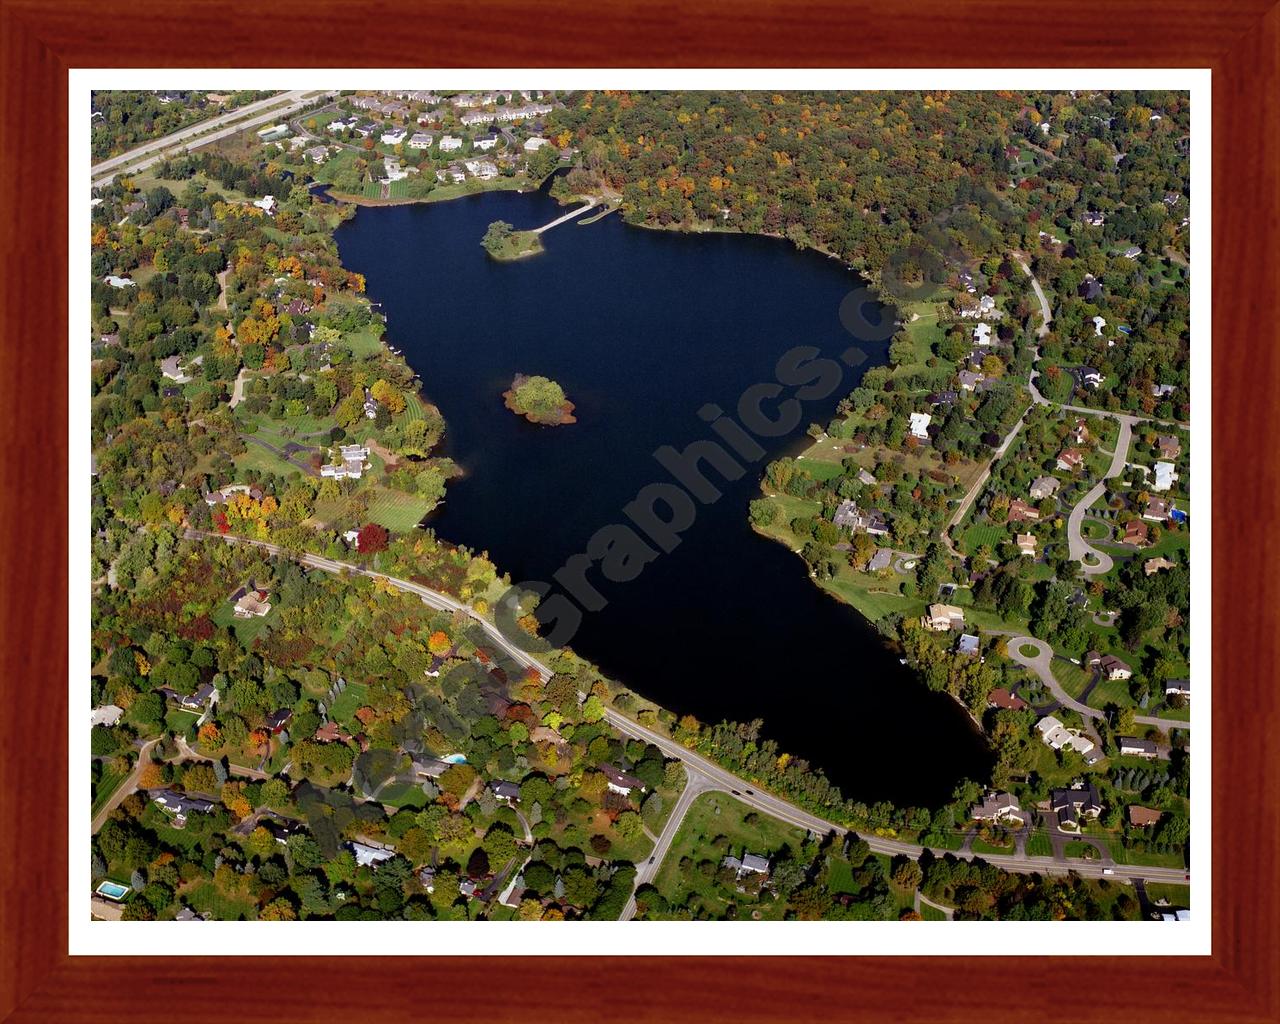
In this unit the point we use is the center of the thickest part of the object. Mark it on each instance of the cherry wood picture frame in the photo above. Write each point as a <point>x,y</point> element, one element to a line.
<point>40,41</point>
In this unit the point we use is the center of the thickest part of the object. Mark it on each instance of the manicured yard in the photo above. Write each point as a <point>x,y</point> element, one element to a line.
<point>983,533</point>
<point>1038,845</point>
<point>930,913</point>
<point>710,816</point>
<point>1073,678</point>
<point>397,511</point>
<point>349,701</point>
<point>107,785</point>
<point>1149,858</point>
<point>247,630</point>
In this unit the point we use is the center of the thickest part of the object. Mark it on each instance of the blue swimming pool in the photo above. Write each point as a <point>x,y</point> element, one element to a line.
<point>112,890</point>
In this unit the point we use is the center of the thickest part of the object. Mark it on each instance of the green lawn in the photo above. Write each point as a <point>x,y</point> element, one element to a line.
<point>365,342</point>
<point>349,701</point>
<point>710,816</point>
<point>397,511</point>
<point>107,785</point>
<point>1148,858</point>
<point>1072,677</point>
<point>931,913</point>
<point>981,846</point>
<point>1038,845</point>
<point>983,533</point>
<point>247,630</point>
<point>1081,850</point>
<point>1177,895</point>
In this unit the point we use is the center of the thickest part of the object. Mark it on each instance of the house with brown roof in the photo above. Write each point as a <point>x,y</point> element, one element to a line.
<point>1070,459</point>
<point>1113,668</point>
<point>1168,446</point>
<point>942,617</point>
<point>997,807</point>
<point>619,781</point>
<point>1135,532</point>
<point>1002,698</point>
<point>250,603</point>
<point>1154,565</point>
<point>1026,544</point>
<point>1142,817</point>
<point>1157,510</point>
<point>1044,487</point>
<point>1021,512</point>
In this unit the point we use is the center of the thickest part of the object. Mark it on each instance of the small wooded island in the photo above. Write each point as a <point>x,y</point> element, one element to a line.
<point>539,400</point>
<point>503,242</point>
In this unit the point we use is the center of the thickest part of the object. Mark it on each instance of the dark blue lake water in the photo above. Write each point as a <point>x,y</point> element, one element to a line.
<point>643,328</point>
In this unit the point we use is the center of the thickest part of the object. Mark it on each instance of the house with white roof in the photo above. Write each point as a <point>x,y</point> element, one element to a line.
<point>450,143</point>
<point>982,335</point>
<point>421,140</point>
<point>485,170</point>
<point>1165,476</point>
<point>394,136</point>
<point>920,425</point>
<point>534,143</point>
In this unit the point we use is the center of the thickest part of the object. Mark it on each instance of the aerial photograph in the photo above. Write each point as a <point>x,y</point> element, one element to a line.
<point>639,505</point>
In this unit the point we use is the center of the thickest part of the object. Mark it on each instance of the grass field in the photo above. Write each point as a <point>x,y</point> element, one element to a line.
<point>1038,845</point>
<point>397,511</point>
<point>349,701</point>
<point>930,913</point>
<point>982,846</point>
<point>710,816</point>
<point>364,342</point>
<point>107,785</point>
<point>1072,677</point>
<point>1177,895</point>
<point>1149,858</point>
<point>247,630</point>
<point>983,533</point>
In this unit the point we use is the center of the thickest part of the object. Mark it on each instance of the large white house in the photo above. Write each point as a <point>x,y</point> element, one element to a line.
<point>394,136</point>
<point>920,425</point>
<point>450,143</point>
<point>485,170</point>
<point>421,140</point>
<point>1056,735</point>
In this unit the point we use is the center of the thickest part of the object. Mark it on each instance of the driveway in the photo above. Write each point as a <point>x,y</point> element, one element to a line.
<point>1092,561</point>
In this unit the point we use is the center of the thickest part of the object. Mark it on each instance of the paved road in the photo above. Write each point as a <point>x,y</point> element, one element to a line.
<point>1092,561</point>
<point>1046,315</point>
<point>125,788</point>
<point>203,132</point>
<point>695,785</point>
<point>1042,665</point>
<point>695,764</point>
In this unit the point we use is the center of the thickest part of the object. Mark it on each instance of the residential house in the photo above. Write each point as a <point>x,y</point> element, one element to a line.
<point>394,171</point>
<point>171,369</point>
<point>534,143</point>
<point>427,767</point>
<point>450,143</point>
<point>250,602</point>
<point>1026,544</point>
<point>1144,817</point>
<point>1165,476</point>
<point>1169,446</point>
<point>1162,390</point>
<point>507,792</point>
<point>1056,735</point>
<point>107,714</point>
<point>969,380</point>
<point>1113,668</point>
<point>274,132</point>
<point>619,781</point>
<point>1090,288</point>
<point>370,856</point>
<point>484,143</point>
<point>205,693</point>
<point>1157,510</point>
<point>393,136</point>
<point>1021,512</point>
<point>851,517</point>
<point>1044,487</point>
<point>1080,432</point>
<point>279,719</point>
<point>485,170</point>
<point>421,140</point>
<point>1132,253</point>
<point>1070,459</point>
<point>180,805</point>
<point>1074,805</point>
<point>920,425</point>
<point>1178,688</point>
<point>1094,219</point>
<point>1132,746</point>
<point>968,644</point>
<point>453,172</point>
<point>267,204</point>
<point>942,617</point>
<point>370,404</point>
<point>1135,532</point>
<point>880,560</point>
<point>997,807</point>
<point>332,732</point>
<point>982,335</point>
<point>1087,377</point>
<point>944,398</point>
<point>1098,324</point>
<point>1003,699</point>
<point>1154,565</point>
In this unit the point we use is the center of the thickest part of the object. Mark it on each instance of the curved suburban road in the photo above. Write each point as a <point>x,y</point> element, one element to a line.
<point>1041,663</point>
<point>703,772</point>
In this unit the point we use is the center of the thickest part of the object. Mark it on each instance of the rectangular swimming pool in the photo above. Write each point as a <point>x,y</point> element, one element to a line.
<point>112,890</point>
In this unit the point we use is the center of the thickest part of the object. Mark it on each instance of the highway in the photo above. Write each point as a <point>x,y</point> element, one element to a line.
<point>251,115</point>
<point>704,775</point>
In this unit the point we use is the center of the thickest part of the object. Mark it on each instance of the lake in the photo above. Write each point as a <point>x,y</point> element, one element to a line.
<point>644,328</point>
